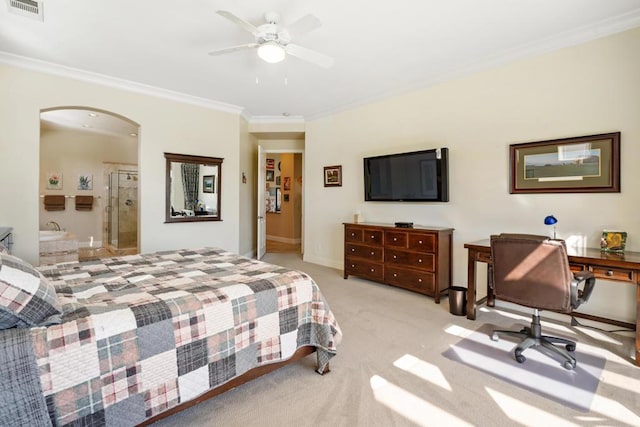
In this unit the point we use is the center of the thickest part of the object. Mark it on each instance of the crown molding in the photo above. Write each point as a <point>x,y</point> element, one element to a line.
<point>269,120</point>
<point>113,82</point>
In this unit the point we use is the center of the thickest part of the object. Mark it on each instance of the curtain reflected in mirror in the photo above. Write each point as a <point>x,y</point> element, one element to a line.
<point>193,188</point>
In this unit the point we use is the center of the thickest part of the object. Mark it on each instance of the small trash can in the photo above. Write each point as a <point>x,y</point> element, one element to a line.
<point>458,300</point>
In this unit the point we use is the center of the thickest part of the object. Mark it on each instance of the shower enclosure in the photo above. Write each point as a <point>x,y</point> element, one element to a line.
<point>122,212</point>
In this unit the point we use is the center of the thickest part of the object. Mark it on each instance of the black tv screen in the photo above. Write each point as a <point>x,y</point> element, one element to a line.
<point>419,176</point>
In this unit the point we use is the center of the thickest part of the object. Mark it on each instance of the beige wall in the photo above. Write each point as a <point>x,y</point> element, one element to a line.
<point>165,126</point>
<point>247,201</point>
<point>583,90</point>
<point>73,152</point>
<point>587,89</point>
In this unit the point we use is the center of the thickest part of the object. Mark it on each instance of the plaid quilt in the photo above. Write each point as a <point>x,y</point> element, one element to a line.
<point>143,333</point>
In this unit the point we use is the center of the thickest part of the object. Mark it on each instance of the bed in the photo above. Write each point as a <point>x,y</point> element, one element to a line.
<point>126,340</point>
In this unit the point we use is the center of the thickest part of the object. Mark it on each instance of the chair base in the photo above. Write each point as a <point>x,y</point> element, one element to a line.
<point>532,337</point>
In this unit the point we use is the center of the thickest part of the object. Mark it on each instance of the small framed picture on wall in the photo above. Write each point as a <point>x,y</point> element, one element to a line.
<point>333,176</point>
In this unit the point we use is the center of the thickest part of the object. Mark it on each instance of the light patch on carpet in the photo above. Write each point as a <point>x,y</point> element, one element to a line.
<point>411,406</point>
<point>525,414</point>
<point>424,370</point>
<point>540,373</point>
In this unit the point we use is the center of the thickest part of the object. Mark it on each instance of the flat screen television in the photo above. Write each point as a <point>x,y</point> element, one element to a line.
<point>419,176</point>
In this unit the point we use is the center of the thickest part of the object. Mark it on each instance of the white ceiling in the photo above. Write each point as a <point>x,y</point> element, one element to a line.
<point>380,48</point>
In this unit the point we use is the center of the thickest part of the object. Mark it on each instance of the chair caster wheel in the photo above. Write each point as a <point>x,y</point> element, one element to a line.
<point>494,337</point>
<point>570,366</point>
<point>520,358</point>
<point>570,347</point>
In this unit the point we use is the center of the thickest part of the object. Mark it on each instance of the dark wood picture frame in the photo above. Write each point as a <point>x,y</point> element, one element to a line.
<point>333,176</point>
<point>583,164</point>
<point>171,160</point>
<point>208,183</point>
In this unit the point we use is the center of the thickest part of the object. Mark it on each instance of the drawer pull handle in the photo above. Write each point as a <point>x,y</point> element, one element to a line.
<point>373,253</point>
<point>419,260</point>
<point>609,273</point>
<point>373,270</point>
<point>395,239</point>
<point>395,257</point>
<point>395,274</point>
<point>353,249</point>
<point>353,234</point>
<point>420,241</point>
<point>419,280</point>
<point>353,266</point>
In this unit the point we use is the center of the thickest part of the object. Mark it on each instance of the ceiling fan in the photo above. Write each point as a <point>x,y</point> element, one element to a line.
<point>274,41</point>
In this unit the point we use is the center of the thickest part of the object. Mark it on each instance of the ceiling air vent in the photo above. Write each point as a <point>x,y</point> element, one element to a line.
<point>29,8</point>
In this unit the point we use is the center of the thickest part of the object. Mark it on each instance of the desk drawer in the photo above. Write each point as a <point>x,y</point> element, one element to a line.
<point>620,274</point>
<point>483,257</point>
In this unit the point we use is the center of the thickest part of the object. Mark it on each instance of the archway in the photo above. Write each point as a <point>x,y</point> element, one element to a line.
<point>84,152</point>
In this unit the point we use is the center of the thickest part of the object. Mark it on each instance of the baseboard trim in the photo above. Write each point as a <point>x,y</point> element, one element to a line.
<point>280,239</point>
<point>323,261</point>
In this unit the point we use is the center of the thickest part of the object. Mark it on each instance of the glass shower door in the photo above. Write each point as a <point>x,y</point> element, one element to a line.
<point>123,211</point>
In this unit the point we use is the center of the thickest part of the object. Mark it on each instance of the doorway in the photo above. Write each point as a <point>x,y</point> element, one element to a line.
<point>283,196</point>
<point>77,145</point>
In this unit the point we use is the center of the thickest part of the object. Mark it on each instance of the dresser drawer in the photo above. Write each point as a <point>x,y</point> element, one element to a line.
<point>352,234</point>
<point>410,259</point>
<point>420,281</point>
<point>422,242</point>
<point>395,239</point>
<point>364,269</point>
<point>620,274</point>
<point>372,237</point>
<point>372,253</point>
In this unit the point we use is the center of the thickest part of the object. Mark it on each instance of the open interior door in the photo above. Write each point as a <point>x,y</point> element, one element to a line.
<point>261,201</point>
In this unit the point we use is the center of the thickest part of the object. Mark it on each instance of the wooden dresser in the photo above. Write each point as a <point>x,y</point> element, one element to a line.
<point>418,258</point>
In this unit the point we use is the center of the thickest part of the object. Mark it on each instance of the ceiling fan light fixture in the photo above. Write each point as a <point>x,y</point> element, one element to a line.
<point>271,52</point>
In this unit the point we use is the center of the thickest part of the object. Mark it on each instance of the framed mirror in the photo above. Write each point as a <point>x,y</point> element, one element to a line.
<point>193,185</point>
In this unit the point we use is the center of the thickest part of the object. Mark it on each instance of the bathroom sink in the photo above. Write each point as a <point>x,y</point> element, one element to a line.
<point>46,235</point>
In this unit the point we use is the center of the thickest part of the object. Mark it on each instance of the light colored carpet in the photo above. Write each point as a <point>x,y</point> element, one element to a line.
<point>541,373</point>
<point>390,371</point>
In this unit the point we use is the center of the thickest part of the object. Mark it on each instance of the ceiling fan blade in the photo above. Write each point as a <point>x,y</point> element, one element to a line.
<point>309,55</point>
<point>239,21</point>
<point>303,25</point>
<point>232,49</point>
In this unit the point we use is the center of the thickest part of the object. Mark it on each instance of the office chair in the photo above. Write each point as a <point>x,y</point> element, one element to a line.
<point>533,271</point>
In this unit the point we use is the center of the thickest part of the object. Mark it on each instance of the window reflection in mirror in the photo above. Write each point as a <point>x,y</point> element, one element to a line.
<point>193,185</point>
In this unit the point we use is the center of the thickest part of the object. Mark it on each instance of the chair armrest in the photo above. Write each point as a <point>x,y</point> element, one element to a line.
<point>579,296</point>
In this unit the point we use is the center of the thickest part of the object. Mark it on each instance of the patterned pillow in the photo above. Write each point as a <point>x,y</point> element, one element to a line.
<point>26,297</point>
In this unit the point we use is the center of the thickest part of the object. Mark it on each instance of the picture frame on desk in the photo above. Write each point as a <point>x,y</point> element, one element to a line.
<point>613,241</point>
<point>584,164</point>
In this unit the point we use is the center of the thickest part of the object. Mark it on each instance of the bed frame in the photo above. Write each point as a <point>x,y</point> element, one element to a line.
<point>242,379</point>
